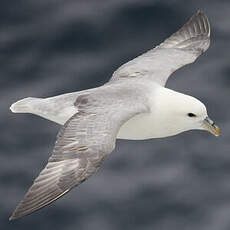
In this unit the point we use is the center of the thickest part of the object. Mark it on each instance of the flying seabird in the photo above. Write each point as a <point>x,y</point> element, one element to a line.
<point>133,105</point>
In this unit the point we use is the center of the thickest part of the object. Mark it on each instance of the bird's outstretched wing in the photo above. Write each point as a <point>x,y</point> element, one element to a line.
<point>82,144</point>
<point>181,48</point>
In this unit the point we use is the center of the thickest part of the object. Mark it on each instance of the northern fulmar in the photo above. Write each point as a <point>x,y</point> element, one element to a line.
<point>133,105</point>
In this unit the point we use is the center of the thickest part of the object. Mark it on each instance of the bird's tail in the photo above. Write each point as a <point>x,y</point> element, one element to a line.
<point>25,105</point>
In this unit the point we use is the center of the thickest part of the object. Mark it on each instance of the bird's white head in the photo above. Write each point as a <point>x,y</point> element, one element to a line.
<point>179,112</point>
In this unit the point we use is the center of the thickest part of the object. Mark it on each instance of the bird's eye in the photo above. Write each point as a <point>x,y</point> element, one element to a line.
<point>191,115</point>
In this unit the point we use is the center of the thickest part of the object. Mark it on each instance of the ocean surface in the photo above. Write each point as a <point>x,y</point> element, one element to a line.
<point>51,47</point>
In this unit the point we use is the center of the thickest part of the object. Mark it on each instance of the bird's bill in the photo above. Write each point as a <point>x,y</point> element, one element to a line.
<point>210,126</point>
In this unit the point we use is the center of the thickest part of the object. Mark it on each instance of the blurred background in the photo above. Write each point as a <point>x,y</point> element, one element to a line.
<point>51,47</point>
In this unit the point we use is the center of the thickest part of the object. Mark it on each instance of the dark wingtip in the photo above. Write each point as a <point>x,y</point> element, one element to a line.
<point>199,11</point>
<point>15,215</point>
<point>12,218</point>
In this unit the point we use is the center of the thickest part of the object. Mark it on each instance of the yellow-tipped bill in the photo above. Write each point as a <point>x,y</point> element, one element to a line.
<point>210,126</point>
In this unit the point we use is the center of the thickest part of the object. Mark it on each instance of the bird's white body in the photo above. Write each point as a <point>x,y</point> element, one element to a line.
<point>161,121</point>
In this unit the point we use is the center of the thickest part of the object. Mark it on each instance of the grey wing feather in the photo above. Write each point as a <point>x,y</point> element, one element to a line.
<point>82,144</point>
<point>193,35</point>
<point>181,48</point>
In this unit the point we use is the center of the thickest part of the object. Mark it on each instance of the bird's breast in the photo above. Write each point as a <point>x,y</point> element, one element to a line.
<point>140,127</point>
<point>147,126</point>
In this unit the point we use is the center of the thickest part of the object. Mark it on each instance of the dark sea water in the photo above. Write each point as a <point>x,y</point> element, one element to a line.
<point>50,47</point>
